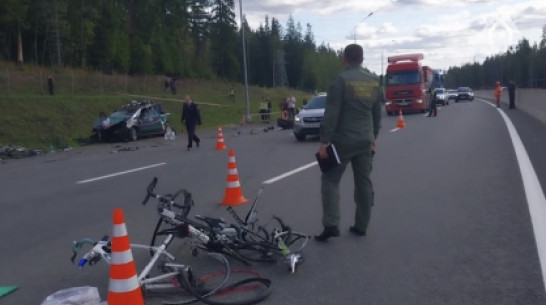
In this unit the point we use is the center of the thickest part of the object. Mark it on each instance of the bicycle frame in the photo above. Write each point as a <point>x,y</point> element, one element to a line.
<point>292,258</point>
<point>173,273</point>
<point>159,282</point>
<point>221,239</point>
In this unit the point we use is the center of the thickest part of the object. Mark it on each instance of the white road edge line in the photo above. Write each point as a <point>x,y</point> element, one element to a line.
<point>290,173</point>
<point>533,191</point>
<point>120,173</point>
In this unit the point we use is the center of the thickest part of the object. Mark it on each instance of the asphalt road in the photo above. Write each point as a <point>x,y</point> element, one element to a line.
<point>450,225</point>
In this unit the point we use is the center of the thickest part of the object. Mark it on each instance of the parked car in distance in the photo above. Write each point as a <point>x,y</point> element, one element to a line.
<point>451,94</point>
<point>464,93</point>
<point>130,122</point>
<point>307,121</point>
<point>440,96</point>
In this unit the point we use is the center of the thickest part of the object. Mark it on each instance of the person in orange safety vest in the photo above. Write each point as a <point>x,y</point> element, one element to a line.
<point>497,94</point>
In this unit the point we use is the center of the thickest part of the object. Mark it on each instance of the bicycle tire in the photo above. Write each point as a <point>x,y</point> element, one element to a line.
<point>189,283</point>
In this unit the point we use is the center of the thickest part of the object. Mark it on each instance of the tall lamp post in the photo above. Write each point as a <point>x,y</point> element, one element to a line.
<point>382,71</point>
<point>247,117</point>
<point>354,30</point>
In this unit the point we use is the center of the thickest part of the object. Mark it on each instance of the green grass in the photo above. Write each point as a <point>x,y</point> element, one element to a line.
<point>33,119</point>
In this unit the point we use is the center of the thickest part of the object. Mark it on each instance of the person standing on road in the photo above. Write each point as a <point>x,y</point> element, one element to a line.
<point>512,94</point>
<point>352,119</point>
<point>291,104</point>
<point>191,117</point>
<point>284,109</point>
<point>497,93</point>
<point>433,110</point>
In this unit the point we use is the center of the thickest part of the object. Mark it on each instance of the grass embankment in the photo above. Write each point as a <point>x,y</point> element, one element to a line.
<point>31,118</point>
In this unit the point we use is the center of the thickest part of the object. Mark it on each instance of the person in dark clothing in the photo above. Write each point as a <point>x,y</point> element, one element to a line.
<point>191,117</point>
<point>433,111</point>
<point>173,85</point>
<point>512,94</point>
<point>167,84</point>
<point>50,85</point>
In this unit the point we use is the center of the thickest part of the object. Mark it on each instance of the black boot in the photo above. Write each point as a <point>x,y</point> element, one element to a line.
<point>327,233</point>
<point>357,231</point>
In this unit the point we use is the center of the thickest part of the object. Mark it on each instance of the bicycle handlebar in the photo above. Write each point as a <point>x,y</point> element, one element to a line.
<point>167,202</point>
<point>101,249</point>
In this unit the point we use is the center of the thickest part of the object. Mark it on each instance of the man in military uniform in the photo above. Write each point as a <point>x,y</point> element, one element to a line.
<point>352,120</point>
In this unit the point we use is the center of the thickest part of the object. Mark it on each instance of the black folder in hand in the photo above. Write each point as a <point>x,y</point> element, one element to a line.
<point>331,161</point>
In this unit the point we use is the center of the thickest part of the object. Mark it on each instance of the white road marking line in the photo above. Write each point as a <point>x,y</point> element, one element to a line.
<point>533,191</point>
<point>290,173</point>
<point>396,129</point>
<point>120,173</point>
<point>487,102</point>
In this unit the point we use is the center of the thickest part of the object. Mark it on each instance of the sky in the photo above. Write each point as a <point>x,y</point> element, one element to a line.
<point>449,33</point>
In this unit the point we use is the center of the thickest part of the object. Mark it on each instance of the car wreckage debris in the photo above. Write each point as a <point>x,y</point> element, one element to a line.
<point>18,152</point>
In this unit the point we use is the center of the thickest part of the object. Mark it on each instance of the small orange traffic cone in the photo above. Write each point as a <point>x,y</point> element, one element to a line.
<point>401,123</point>
<point>220,145</point>
<point>234,194</point>
<point>124,286</point>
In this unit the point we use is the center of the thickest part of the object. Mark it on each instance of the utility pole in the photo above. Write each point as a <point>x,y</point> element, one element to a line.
<point>248,117</point>
<point>382,73</point>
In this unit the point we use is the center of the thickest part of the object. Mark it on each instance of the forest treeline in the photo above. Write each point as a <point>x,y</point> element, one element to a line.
<point>525,64</point>
<point>177,38</point>
<point>201,39</point>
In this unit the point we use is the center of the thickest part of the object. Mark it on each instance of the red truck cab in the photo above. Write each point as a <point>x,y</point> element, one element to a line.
<point>406,85</point>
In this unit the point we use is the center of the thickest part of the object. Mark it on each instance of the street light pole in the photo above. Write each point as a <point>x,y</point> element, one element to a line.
<point>354,30</point>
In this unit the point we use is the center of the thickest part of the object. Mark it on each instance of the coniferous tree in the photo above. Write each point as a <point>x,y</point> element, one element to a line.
<point>223,34</point>
<point>181,38</point>
<point>12,17</point>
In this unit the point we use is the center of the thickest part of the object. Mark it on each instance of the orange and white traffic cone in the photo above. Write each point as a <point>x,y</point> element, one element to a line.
<point>401,123</point>
<point>124,286</point>
<point>220,145</point>
<point>234,193</point>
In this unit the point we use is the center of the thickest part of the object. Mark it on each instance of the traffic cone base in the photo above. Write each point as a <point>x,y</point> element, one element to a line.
<point>401,123</point>
<point>124,286</point>
<point>234,194</point>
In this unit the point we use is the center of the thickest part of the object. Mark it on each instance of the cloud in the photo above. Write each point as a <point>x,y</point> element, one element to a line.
<point>439,3</point>
<point>449,33</point>
<point>387,28</point>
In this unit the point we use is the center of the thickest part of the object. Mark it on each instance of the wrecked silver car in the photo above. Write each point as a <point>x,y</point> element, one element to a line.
<point>131,122</point>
